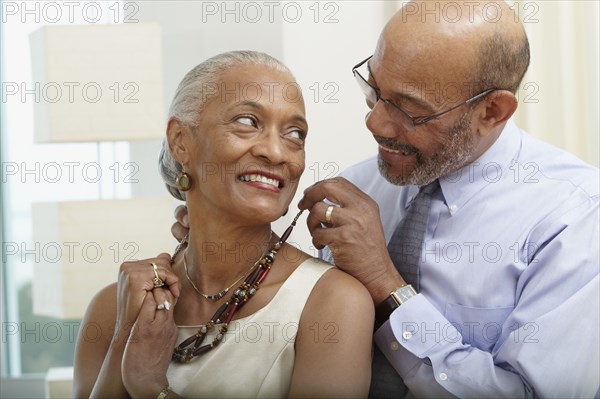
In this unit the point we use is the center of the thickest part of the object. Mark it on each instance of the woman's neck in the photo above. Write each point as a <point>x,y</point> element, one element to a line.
<point>220,252</point>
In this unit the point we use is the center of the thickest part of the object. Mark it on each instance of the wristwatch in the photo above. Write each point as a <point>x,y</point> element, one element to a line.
<point>393,301</point>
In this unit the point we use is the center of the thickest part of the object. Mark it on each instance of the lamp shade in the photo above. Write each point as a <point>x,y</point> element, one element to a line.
<point>97,83</point>
<point>80,245</point>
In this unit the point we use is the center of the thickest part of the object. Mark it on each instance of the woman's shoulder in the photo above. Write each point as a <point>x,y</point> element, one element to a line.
<point>330,285</point>
<point>316,264</point>
<point>340,301</point>
<point>102,310</point>
<point>337,287</point>
<point>106,296</point>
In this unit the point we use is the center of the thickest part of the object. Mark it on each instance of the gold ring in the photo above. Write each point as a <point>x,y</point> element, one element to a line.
<point>156,280</point>
<point>328,214</point>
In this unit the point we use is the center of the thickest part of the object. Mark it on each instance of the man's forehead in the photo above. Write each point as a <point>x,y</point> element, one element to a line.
<point>419,76</point>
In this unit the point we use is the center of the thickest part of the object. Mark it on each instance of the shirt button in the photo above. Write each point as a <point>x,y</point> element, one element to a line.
<point>394,346</point>
<point>453,208</point>
<point>407,335</point>
<point>443,376</point>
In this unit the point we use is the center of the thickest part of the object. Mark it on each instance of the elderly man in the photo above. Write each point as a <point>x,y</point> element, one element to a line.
<point>502,247</point>
<point>477,242</point>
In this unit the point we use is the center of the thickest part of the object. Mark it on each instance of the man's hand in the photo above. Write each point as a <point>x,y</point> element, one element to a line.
<point>182,226</point>
<point>354,235</point>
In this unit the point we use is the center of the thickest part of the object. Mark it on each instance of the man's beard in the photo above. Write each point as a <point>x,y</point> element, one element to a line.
<point>457,149</point>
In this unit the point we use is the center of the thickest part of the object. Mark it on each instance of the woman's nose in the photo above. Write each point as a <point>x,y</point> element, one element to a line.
<point>270,147</point>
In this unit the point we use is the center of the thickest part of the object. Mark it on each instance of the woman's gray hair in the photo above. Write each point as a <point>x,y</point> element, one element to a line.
<point>194,91</point>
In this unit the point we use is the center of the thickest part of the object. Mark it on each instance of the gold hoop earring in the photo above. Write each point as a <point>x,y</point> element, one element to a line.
<point>183,181</point>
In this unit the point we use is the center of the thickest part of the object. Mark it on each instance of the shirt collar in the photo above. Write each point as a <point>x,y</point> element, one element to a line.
<point>460,186</point>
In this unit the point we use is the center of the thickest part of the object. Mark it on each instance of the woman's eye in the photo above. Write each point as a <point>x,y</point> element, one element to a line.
<point>297,135</point>
<point>246,120</point>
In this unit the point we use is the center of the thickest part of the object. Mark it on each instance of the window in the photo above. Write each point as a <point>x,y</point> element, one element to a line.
<point>41,173</point>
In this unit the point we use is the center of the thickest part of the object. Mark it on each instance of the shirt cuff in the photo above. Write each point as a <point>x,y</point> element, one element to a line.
<point>402,360</point>
<point>420,328</point>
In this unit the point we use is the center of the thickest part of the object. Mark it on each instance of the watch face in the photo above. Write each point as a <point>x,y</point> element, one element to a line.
<point>396,298</point>
<point>404,294</point>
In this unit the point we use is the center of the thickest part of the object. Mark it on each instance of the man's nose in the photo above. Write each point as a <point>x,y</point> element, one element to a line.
<point>379,122</point>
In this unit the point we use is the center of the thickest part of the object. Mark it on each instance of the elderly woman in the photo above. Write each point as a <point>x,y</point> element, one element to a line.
<point>235,312</point>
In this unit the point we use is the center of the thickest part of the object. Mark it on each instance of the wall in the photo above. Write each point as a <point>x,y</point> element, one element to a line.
<point>321,41</point>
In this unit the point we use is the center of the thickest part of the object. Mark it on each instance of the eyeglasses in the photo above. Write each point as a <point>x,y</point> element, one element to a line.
<point>410,123</point>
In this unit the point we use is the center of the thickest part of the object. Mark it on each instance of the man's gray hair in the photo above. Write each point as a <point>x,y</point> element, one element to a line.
<point>192,95</point>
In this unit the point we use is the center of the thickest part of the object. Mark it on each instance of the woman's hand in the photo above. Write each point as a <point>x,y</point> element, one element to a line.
<point>115,309</point>
<point>135,282</point>
<point>150,346</point>
<point>182,226</point>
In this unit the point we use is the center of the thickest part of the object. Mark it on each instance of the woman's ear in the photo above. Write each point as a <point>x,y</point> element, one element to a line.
<point>178,138</point>
<point>496,110</point>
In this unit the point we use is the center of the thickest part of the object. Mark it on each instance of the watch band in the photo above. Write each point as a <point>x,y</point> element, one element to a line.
<point>396,298</point>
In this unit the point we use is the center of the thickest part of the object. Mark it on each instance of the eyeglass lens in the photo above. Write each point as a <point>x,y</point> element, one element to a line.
<point>372,97</point>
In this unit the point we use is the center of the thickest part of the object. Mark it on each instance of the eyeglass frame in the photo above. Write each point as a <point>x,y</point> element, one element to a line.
<point>418,120</point>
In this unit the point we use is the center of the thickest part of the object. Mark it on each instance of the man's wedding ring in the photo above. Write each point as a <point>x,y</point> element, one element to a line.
<point>328,214</point>
<point>156,280</point>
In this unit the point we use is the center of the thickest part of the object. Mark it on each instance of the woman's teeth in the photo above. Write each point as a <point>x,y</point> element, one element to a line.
<point>261,179</point>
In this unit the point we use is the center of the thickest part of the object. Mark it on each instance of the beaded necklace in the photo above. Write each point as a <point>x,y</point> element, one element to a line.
<point>219,295</point>
<point>191,347</point>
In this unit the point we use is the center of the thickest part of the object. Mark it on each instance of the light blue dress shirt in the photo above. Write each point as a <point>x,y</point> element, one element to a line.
<point>510,300</point>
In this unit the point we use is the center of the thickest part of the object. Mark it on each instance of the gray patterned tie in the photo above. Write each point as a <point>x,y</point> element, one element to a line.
<point>407,242</point>
<point>405,251</point>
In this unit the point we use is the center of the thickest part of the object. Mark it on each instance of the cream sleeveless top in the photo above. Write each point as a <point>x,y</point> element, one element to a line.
<point>256,357</point>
